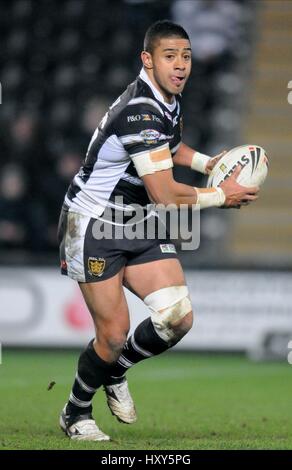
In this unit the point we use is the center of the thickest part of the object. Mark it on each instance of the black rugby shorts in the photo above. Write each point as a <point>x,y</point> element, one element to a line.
<point>86,257</point>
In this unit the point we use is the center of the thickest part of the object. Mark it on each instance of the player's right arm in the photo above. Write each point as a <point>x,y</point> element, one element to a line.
<point>141,130</point>
<point>163,189</point>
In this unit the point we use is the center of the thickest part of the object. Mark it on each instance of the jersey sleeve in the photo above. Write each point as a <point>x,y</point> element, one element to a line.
<point>141,130</point>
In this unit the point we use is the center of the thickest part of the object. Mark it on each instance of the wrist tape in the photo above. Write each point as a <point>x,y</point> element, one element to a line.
<point>199,162</point>
<point>213,197</point>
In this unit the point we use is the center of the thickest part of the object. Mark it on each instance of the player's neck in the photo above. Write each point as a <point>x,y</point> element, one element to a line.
<point>148,77</point>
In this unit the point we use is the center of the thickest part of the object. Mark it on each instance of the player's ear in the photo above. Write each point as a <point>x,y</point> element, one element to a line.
<point>147,60</point>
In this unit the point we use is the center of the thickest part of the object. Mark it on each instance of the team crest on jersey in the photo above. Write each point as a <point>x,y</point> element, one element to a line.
<point>96,266</point>
<point>150,136</point>
<point>175,121</point>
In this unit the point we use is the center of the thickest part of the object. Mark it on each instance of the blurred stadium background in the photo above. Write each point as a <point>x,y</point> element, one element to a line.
<point>60,67</point>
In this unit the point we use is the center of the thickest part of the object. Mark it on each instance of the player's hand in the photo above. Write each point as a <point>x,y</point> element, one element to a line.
<point>237,195</point>
<point>212,162</point>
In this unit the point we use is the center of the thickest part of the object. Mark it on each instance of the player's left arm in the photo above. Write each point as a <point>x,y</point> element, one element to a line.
<point>186,156</point>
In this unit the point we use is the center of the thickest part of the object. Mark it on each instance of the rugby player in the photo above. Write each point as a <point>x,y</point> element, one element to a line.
<point>131,155</point>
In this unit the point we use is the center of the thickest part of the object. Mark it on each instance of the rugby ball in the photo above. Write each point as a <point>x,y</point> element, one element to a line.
<point>251,158</point>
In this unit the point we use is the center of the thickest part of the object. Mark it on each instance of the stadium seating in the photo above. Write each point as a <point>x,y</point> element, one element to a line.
<point>59,63</point>
<point>263,233</point>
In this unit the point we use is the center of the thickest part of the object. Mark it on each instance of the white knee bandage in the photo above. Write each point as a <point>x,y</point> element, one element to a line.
<point>168,306</point>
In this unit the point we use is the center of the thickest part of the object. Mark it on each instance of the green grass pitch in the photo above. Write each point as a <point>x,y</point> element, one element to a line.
<point>184,401</point>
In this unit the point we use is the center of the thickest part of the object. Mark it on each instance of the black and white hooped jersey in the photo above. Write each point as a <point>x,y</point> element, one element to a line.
<point>138,121</point>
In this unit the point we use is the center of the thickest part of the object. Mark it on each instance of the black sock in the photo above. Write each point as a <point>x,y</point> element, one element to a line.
<point>91,373</point>
<point>143,343</point>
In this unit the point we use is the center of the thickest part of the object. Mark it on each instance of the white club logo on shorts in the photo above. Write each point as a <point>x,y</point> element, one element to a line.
<point>96,266</point>
<point>167,248</point>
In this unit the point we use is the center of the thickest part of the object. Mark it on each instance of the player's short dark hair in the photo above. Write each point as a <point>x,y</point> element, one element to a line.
<point>162,29</point>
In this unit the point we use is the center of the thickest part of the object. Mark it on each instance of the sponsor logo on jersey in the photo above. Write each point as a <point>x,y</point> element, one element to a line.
<point>156,118</point>
<point>146,117</point>
<point>143,117</point>
<point>150,136</point>
<point>166,137</point>
<point>96,266</point>
<point>168,248</point>
<point>134,118</point>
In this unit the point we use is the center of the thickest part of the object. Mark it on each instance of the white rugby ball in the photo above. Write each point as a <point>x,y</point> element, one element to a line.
<point>251,158</point>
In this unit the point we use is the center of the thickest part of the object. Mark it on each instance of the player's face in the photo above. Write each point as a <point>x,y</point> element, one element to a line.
<point>171,66</point>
